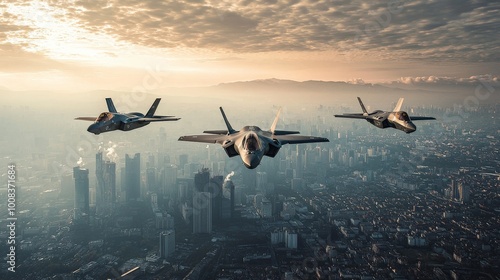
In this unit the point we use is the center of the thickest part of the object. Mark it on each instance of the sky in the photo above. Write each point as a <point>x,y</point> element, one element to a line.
<point>118,45</point>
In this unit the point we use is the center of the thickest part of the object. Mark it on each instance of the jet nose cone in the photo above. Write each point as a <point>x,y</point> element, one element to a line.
<point>251,162</point>
<point>411,128</point>
<point>93,128</point>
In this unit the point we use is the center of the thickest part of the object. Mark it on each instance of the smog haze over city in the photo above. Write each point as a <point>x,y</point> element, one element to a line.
<point>369,204</point>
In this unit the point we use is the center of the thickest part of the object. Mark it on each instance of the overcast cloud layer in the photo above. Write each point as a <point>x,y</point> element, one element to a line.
<point>417,29</point>
<point>370,39</point>
<point>444,30</point>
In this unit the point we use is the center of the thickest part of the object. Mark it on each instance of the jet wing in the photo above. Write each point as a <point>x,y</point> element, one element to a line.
<point>352,116</point>
<point>204,138</point>
<point>164,119</point>
<point>419,118</point>
<point>298,139</point>
<point>92,119</point>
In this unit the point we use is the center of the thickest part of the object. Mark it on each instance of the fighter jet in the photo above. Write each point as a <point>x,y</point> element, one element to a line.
<point>396,119</point>
<point>252,143</point>
<point>112,120</point>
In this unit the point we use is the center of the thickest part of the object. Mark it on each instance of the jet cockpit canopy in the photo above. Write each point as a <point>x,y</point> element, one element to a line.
<point>251,143</point>
<point>403,116</point>
<point>105,116</point>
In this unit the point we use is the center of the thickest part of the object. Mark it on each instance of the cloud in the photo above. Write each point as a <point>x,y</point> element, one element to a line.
<point>366,31</point>
<point>472,80</point>
<point>417,29</point>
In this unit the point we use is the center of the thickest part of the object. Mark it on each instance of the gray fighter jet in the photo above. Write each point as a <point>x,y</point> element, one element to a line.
<point>397,119</point>
<point>112,120</point>
<point>251,142</point>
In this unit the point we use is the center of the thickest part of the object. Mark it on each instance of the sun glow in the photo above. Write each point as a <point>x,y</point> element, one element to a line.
<point>51,32</point>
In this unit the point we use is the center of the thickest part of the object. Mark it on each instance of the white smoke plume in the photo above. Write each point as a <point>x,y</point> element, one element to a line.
<point>80,162</point>
<point>111,152</point>
<point>228,177</point>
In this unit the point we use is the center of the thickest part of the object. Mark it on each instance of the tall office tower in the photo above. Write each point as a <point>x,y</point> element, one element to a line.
<point>183,160</point>
<point>106,183</point>
<point>167,243</point>
<point>291,239</point>
<point>132,177</point>
<point>454,190</point>
<point>215,189</point>
<point>151,161</point>
<point>299,165</point>
<point>99,194</point>
<point>151,181</point>
<point>228,191</point>
<point>202,212</point>
<point>168,181</point>
<point>202,180</point>
<point>81,210</point>
<point>261,184</point>
<point>185,187</point>
<point>464,192</point>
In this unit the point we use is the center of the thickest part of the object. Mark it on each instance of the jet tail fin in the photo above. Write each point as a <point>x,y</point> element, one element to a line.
<point>111,106</point>
<point>365,113</point>
<point>275,122</point>
<point>152,110</point>
<point>229,128</point>
<point>398,105</point>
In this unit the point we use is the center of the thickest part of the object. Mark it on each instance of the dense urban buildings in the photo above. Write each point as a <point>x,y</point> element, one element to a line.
<point>371,204</point>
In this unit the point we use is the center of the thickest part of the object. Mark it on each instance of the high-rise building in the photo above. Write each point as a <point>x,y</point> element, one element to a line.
<point>168,181</point>
<point>106,183</point>
<point>183,160</point>
<point>151,181</point>
<point>202,212</point>
<point>464,192</point>
<point>167,243</point>
<point>132,177</point>
<point>261,185</point>
<point>228,191</point>
<point>215,189</point>
<point>202,180</point>
<point>81,210</point>
<point>291,239</point>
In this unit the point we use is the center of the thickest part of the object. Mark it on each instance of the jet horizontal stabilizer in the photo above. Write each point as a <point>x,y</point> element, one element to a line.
<point>419,118</point>
<point>218,132</point>
<point>157,119</point>
<point>92,119</point>
<point>352,116</point>
<point>285,132</point>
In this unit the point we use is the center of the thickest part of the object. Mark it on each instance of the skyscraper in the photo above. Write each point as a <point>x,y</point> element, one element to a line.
<point>167,243</point>
<point>228,191</point>
<point>202,180</point>
<point>106,183</point>
<point>464,192</point>
<point>132,177</point>
<point>151,181</point>
<point>81,210</point>
<point>261,185</point>
<point>202,212</point>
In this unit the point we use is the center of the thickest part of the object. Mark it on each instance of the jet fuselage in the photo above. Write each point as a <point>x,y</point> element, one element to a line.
<point>252,145</point>
<point>115,121</point>
<point>398,120</point>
